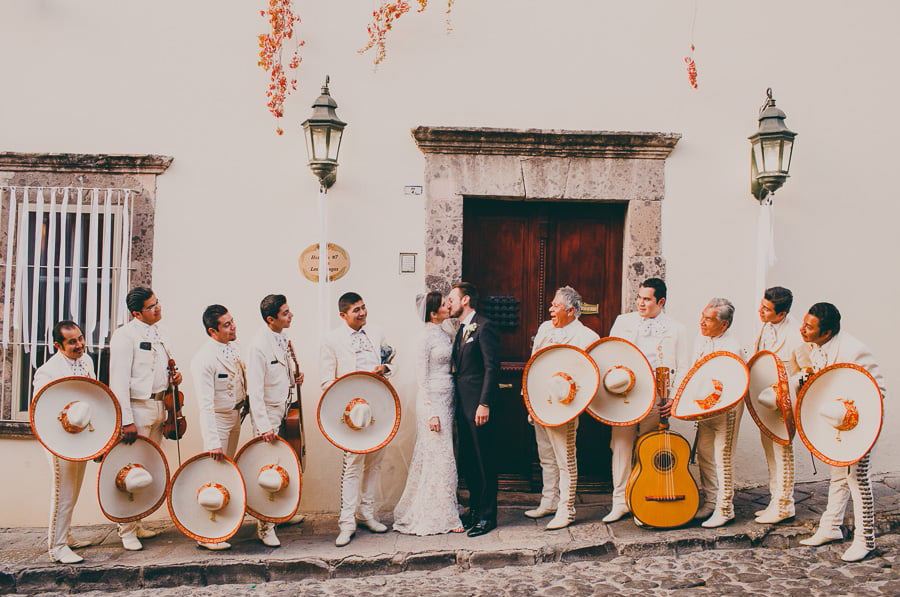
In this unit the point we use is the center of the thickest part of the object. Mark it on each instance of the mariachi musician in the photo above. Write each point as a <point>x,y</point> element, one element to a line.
<point>556,445</point>
<point>270,382</point>
<point>139,377</point>
<point>824,345</point>
<point>69,360</point>
<point>665,344</point>
<point>779,334</point>
<point>717,436</point>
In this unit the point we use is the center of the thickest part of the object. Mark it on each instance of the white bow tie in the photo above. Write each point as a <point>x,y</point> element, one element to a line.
<point>768,338</point>
<point>651,327</point>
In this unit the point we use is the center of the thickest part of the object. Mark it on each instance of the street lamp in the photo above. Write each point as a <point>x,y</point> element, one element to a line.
<point>772,145</point>
<point>323,131</point>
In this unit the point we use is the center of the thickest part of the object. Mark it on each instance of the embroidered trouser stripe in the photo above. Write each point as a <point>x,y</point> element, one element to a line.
<point>559,465</point>
<point>863,503</point>
<point>716,439</point>
<point>780,460</point>
<point>67,479</point>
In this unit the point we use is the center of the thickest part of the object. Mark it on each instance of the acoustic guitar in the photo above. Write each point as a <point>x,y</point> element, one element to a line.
<point>661,492</point>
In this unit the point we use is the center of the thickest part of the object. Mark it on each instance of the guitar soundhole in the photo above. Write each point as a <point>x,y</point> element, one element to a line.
<point>664,461</point>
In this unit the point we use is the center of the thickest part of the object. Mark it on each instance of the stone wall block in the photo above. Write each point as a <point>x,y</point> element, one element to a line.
<point>443,252</point>
<point>231,573</point>
<point>167,575</point>
<point>585,180</point>
<point>648,180</point>
<point>643,228</point>
<point>488,175</point>
<point>294,570</point>
<point>545,178</point>
<point>499,559</point>
<point>431,561</point>
<point>638,269</point>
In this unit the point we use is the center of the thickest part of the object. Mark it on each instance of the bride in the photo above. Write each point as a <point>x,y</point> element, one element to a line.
<point>428,505</point>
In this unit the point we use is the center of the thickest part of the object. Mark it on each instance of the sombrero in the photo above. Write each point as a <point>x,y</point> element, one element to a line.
<point>359,412</point>
<point>769,398</point>
<point>207,499</point>
<point>627,389</point>
<point>76,418</point>
<point>558,383</point>
<point>273,479</point>
<point>839,413</point>
<point>133,480</point>
<point>714,385</point>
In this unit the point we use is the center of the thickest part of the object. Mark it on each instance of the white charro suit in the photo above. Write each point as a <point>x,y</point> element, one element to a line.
<point>270,380</point>
<point>345,351</point>
<point>270,385</point>
<point>846,481</point>
<point>138,376</point>
<point>219,383</point>
<point>67,475</point>
<point>665,344</point>
<point>556,445</point>
<point>780,338</point>
<point>717,436</point>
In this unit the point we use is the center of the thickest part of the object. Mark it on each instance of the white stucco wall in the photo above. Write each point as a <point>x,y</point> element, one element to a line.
<point>238,204</point>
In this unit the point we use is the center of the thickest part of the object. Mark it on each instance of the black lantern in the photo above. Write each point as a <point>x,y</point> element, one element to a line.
<point>323,131</point>
<point>772,145</point>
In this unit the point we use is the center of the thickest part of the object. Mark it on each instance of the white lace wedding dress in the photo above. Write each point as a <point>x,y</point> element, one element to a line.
<point>428,505</point>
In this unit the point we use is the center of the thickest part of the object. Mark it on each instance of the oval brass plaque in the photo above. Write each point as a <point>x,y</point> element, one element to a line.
<point>338,262</point>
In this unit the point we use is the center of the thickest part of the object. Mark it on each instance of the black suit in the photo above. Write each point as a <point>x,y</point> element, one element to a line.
<point>477,370</point>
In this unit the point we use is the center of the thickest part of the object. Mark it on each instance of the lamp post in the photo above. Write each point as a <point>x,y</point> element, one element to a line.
<point>323,131</point>
<point>772,147</point>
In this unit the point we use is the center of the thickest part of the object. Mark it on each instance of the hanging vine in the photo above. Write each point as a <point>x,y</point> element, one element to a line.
<point>272,48</point>
<point>383,21</point>
<point>689,62</point>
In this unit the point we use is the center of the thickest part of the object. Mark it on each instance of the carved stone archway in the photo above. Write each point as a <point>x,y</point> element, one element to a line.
<point>544,165</point>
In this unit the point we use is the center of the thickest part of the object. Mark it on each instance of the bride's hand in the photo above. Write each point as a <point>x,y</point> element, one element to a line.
<point>434,423</point>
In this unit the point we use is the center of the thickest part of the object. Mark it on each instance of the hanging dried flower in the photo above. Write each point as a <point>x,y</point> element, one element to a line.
<point>691,68</point>
<point>272,46</point>
<point>382,22</point>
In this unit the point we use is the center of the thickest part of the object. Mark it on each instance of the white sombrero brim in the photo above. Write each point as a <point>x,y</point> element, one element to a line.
<point>192,519</point>
<point>106,418</point>
<point>537,377</point>
<point>383,401</point>
<point>283,504</point>
<point>617,410</point>
<point>115,504</point>
<point>724,366</point>
<point>842,380</point>
<point>767,370</point>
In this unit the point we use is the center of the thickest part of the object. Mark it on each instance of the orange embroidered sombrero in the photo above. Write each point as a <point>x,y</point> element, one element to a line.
<point>359,412</point>
<point>714,385</point>
<point>627,389</point>
<point>769,398</point>
<point>839,413</point>
<point>558,383</point>
<point>273,479</point>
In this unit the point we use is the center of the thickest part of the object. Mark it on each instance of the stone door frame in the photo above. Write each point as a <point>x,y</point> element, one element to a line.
<point>544,165</point>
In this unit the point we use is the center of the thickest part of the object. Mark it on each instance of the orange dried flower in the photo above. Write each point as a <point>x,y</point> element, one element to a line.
<point>281,19</point>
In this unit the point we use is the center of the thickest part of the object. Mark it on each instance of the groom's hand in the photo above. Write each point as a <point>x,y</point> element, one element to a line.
<point>482,414</point>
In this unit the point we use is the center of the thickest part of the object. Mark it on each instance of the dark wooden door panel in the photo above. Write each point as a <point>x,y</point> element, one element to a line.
<point>527,250</point>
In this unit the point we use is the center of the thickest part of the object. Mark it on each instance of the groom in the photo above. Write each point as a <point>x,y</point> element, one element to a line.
<point>476,368</point>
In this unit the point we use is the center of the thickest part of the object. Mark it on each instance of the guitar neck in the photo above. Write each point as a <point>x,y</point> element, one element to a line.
<point>663,377</point>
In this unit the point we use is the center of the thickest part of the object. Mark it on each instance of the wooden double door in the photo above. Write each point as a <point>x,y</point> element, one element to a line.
<point>518,254</point>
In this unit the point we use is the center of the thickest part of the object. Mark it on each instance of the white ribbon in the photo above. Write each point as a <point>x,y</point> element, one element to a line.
<point>323,263</point>
<point>105,277</point>
<point>90,298</point>
<point>50,293</point>
<point>36,274</point>
<point>75,291</point>
<point>20,304</point>
<point>765,246</point>
<point>63,247</point>
<point>7,288</point>
<point>124,260</point>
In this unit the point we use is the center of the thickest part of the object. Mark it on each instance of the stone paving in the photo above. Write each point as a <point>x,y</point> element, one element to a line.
<point>801,571</point>
<point>308,552</point>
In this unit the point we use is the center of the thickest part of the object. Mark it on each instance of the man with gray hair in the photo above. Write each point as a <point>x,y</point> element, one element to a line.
<point>717,436</point>
<point>556,445</point>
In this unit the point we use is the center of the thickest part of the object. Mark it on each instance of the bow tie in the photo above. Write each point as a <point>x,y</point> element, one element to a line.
<point>651,327</point>
<point>768,338</point>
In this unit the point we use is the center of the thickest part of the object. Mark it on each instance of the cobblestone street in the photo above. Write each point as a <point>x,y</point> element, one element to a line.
<point>761,571</point>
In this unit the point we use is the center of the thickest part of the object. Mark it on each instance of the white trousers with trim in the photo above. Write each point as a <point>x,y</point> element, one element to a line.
<point>622,441</point>
<point>67,477</point>
<point>559,466</point>
<point>359,484</point>
<point>781,475</point>
<point>851,482</point>
<point>716,441</point>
